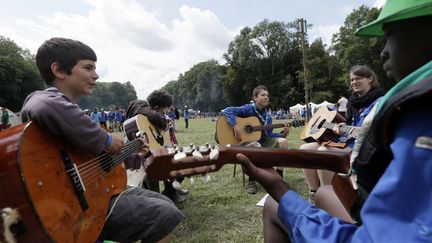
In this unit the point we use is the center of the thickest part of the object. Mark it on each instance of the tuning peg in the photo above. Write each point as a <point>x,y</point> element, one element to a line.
<point>197,155</point>
<point>214,154</point>
<point>206,177</point>
<point>191,145</point>
<point>207,145</point>
<point>180,156</point>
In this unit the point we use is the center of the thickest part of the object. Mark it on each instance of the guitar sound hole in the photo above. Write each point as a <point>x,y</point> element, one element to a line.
<point>321,123</point>
<point>248,129</point>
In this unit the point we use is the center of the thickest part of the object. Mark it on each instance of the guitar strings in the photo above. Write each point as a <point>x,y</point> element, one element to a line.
<point>100,157</point>
<point>90,163</point>
<point>105,161</point>
<point>90,178</point>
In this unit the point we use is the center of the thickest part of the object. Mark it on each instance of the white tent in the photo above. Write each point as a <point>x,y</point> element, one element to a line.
<point>296,108</point>
<point>326,103</point>
<point>14,119</point>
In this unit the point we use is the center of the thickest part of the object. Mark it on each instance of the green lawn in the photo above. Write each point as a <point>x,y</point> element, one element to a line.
<point>221,210</point>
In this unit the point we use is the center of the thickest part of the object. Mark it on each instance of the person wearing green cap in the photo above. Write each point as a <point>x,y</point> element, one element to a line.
<point>394,161</point>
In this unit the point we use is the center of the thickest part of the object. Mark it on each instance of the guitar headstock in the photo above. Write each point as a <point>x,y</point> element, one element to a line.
<point>174,162</point>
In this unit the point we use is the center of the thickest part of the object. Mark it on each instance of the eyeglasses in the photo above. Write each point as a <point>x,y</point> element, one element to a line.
<point>356,78</point>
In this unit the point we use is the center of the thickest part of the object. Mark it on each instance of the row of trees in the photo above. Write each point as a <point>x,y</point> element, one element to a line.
<point>18,74</point>
<point>19,77</point>
<point>270,54</point>
<point>109,95</point>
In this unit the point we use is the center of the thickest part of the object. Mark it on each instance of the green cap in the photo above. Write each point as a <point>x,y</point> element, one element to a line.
<point>395,10</point>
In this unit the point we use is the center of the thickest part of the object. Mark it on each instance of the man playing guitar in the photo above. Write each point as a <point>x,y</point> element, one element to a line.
<point>257,108</point>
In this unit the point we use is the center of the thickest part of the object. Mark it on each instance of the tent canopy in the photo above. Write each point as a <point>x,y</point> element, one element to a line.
<point>14,119</point>
<point>294,109</point>
<point>326,103</point>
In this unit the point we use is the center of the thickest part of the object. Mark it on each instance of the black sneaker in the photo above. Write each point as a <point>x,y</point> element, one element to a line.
<point>176,197</point>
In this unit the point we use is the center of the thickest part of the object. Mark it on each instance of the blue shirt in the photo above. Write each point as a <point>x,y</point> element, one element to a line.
<point>247,111</point>
<point>118,116</point>
<point>186,114</point>
<point>103,117</point>
<point>95,116</point>
<point>398,209</point>
<point>111,116</point>
<point>358,119</point>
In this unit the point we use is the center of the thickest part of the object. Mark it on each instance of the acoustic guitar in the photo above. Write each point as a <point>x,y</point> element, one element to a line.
<point>61,193</point>
<point>172,163</point>
<point>250,129</point>
<point>319,128</point>
<point>157,138</point>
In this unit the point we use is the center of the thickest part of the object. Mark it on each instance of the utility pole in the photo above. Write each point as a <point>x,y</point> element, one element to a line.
<point>302,27</point>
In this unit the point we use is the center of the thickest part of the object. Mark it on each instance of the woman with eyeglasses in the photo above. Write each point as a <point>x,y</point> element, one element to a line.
<point>366,93</point>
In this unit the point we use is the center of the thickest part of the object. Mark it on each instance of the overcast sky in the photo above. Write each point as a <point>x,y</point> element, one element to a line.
<point>150,42</point>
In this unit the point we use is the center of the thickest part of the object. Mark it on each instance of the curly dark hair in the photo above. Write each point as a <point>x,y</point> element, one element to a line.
<point>159,98</point>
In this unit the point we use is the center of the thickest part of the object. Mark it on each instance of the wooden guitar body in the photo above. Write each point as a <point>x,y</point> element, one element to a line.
<point>33,180</point>
<point>312,132</point>
<point>225,132</point>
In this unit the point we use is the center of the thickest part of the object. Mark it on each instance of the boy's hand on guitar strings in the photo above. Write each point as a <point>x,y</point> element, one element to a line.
<point>267,177</point>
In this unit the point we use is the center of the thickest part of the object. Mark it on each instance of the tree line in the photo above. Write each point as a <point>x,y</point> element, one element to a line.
<point>270,54</point>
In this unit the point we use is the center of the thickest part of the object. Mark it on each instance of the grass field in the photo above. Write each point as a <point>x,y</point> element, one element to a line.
<point>221,210</point>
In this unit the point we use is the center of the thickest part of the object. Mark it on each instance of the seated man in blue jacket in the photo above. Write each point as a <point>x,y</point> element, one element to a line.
<point>258,108</point>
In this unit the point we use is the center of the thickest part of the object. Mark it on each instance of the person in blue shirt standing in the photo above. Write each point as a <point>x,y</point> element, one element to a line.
<point>118,119</point>
<point>103,119</point>
<point>394,162</point>
<point>257,108</point>
<point>111,121</point>
<point>95,116</point>
<point>186,116</point>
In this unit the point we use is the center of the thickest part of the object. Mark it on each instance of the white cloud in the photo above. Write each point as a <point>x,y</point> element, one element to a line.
<point>130,41</point>
<point>325,32</point>
<point>379,3</point>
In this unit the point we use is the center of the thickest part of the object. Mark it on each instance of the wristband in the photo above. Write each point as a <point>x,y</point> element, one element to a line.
<point>109,141</point>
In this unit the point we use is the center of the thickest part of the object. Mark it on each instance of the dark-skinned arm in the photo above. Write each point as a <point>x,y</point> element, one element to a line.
<point>267,177</point>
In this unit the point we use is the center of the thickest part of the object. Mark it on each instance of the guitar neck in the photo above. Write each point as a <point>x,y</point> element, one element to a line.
<point>266,127</point>
<point>292,158</point>
<point>344,129</point>
<point>164,165</point>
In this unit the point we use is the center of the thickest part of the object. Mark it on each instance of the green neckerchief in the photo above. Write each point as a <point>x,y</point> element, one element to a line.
<point>413,78</point>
